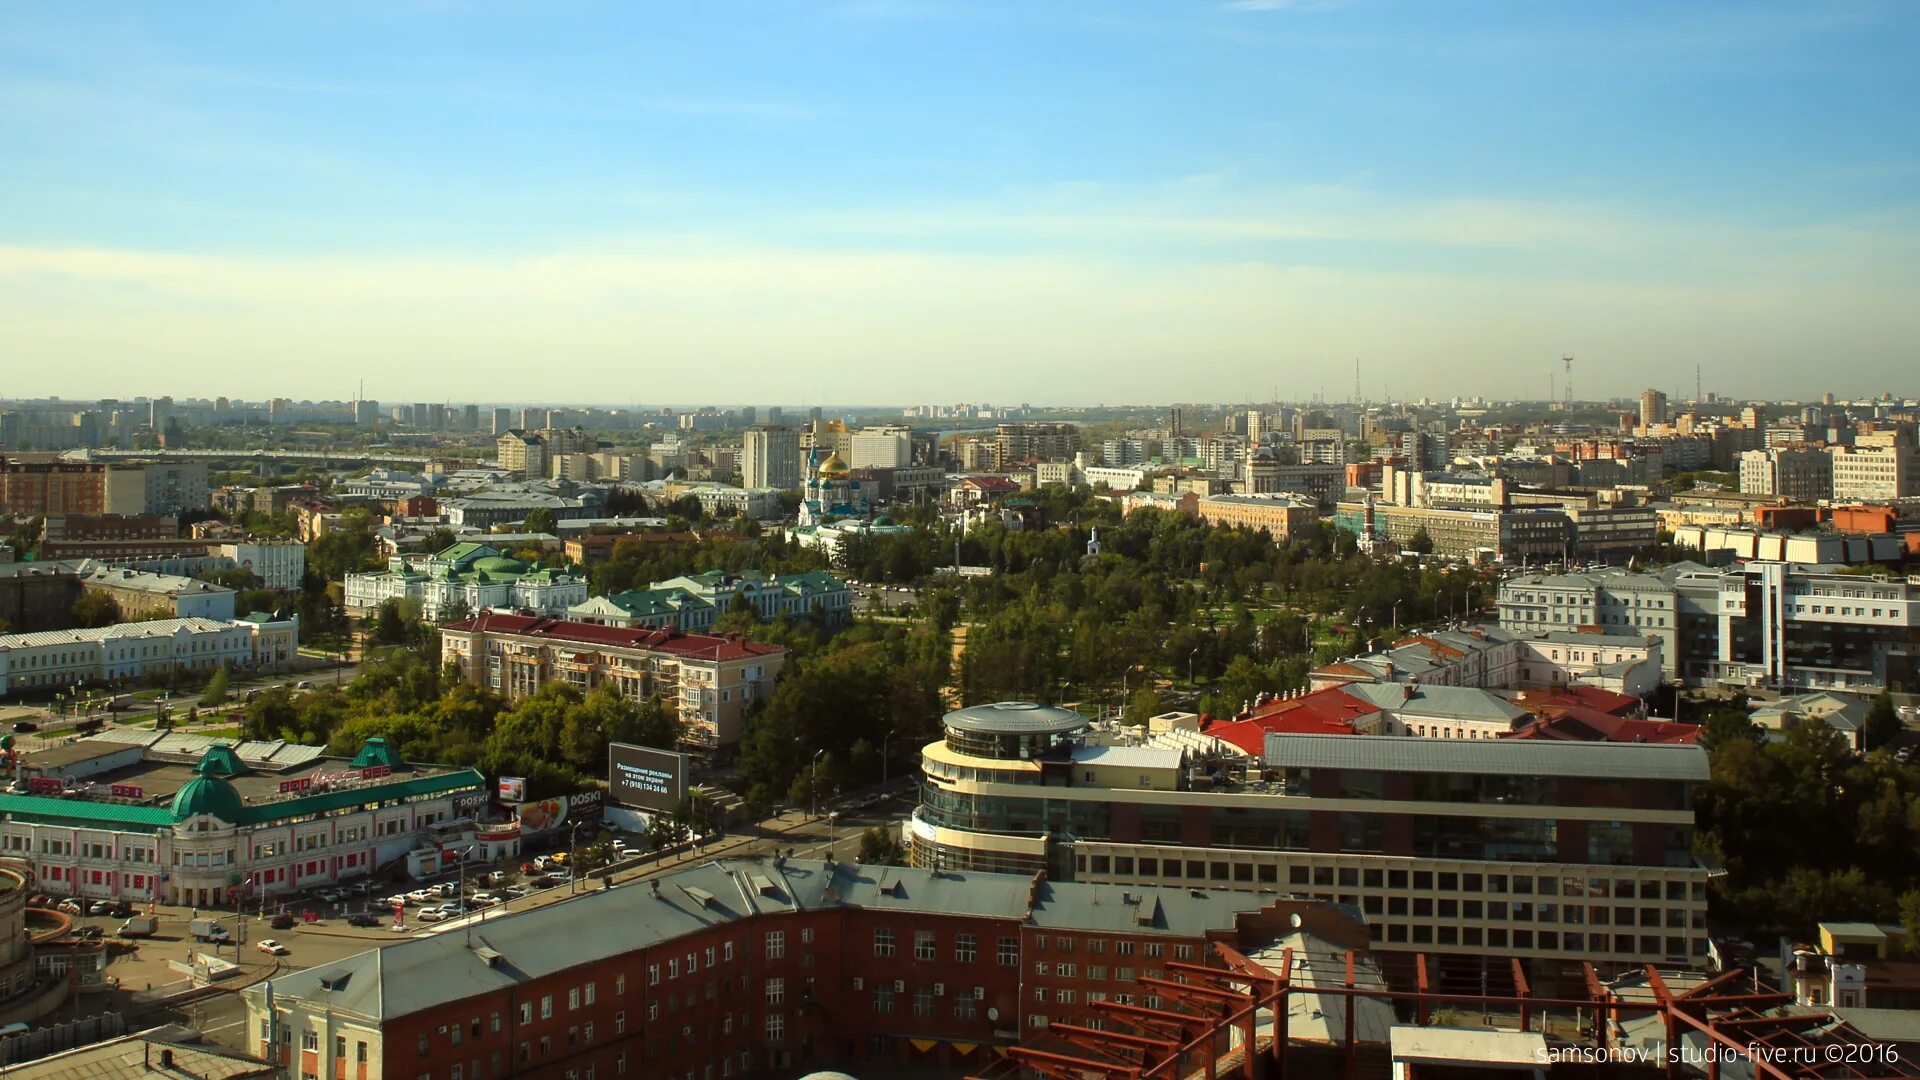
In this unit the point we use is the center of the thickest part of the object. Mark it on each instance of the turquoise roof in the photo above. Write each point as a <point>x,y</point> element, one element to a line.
<point>207,795</point>
<point>360,795</point>
<point>46,810</point>
<point>220,760</point>
<point>376,751</point>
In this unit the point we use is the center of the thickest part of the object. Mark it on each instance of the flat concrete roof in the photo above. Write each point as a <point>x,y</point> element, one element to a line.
<point>1482,1047</point>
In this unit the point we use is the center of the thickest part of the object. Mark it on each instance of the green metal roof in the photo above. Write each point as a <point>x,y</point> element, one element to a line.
<point>356,796</point>
<point>43,809</point>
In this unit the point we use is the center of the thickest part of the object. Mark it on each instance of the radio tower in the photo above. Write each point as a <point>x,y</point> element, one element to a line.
<point>1568,388</point>
<point>1358,397</point>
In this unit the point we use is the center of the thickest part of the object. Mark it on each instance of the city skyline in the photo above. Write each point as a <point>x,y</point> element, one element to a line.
<point>959,202</point>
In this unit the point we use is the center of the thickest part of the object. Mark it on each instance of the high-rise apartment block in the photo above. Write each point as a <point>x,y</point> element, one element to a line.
<point>1653,408</point>
<point>770,458</point>
<point>1022,442</point>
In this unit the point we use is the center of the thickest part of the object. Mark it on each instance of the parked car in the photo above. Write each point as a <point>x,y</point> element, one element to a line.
<point>447,888</point>
<point>515,892</point>
<point>363,918</point>
<point>530,867</point>
<point>397,900</point>
<point>271,947</point>
<point>100,907</point>
<point>497,877</point>
<point>25,727</point>
<point>87,933</point>
<point>421,896</point>
<point>303,684</point>
<point>283,921</point>
<point>331,896</point>
<point>484,899</point>
<point>432,914</point>
<point>72,907</point>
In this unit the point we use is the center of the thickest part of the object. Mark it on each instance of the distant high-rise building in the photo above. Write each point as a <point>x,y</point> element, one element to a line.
<point>1015,443</point>
<point>747,415</point>
<point>813,415</point>
<point>437,417</point>
<point>1176,422</point>
<point>470,418</point>
<point>502,421</point>
<point>365,413</point>
<point>770,458</point>
<point>1804,474</point>
<point>159,411</point>
<point>1653,408</point>
<point>532,419</point>
<point>422,415</point>
<point>775,415</point>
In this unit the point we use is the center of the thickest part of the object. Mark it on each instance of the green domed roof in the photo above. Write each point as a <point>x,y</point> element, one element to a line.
<point>884,521</point>
<point>207,795</point>
<point>499,564</point>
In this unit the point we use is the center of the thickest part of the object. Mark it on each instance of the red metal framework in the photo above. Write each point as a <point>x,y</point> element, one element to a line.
<point>1215,1003</point>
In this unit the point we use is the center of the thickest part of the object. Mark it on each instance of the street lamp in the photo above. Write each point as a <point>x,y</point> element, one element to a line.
<point>573,859</point>
<point>1190,656</point>
<point>884,740</point>
<point>813,782</point>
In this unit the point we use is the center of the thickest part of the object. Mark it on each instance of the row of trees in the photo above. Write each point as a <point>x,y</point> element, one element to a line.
<point>1806,829</point>
<point>557,738</point>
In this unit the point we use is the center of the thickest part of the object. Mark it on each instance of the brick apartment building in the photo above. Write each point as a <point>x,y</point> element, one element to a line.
<point>735,967</point>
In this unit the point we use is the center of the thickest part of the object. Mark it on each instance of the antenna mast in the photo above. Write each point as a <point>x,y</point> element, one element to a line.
<point>1568,389</point>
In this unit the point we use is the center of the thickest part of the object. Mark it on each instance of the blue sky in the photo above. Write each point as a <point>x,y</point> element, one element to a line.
<point>916,200</point>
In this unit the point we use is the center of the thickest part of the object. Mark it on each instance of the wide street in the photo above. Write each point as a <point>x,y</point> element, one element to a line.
<point>221,1016</point>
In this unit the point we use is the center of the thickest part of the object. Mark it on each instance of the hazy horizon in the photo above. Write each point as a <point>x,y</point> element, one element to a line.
<point>941,202</point>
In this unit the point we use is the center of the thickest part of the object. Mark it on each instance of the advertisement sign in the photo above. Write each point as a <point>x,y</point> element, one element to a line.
<point>647,778</point>
<point>513,789</point>
<point>545,815</point>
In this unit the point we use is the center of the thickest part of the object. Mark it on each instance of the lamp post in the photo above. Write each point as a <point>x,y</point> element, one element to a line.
<point>884,740</point>
<point>573,859</point>
<point>813,782</point>
<point>1190,656</point>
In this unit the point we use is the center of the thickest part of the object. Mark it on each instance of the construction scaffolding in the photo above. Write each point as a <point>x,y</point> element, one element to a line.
<point>1233,1019</point>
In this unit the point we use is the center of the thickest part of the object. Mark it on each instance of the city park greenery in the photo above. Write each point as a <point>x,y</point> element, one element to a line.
<point>1170,612</point>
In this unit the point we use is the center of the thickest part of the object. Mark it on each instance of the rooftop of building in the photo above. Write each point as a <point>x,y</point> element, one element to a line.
<point>1442,702</point>
<point>1586,697</point>
<point>121,577</point>
<point>439,968</point>
<point>685,645</point>
<point>269,781</point>
<point>1015,718</point>
<point>1575,723</point>
<point>1489,757</point>
<point>157,1052</point>
<point>151,629</point>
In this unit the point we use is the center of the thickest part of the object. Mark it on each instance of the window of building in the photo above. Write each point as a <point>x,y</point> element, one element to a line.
<point>883,941</point>
<point>776,991</point>
<point>1009,952</point>
<point>923,946</point>
<point>966,948</point>
<point>776,944</point>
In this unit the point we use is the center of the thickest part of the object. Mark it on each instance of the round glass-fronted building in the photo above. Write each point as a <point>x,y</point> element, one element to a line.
<point>983,805</point>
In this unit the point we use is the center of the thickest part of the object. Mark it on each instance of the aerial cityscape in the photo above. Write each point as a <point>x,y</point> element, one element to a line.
<point>892,538</point>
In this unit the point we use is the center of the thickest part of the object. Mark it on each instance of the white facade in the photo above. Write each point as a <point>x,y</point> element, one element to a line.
<point>880,449</point>
<point>1877,474</point>
<point>280,565</point>
<point>54,658</point>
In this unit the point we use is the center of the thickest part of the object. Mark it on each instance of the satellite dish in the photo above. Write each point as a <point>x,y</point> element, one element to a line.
<point>993,1014</point>
<point>1293,920</point>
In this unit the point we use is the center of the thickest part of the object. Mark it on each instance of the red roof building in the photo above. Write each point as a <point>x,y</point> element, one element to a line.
<point>1579,724</point>
<point>1541,702</point>
<point>518,654</point>
<point>1318,712</point>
